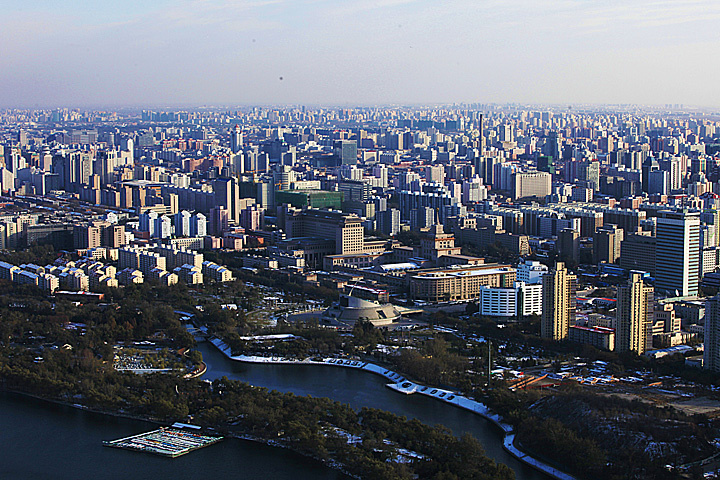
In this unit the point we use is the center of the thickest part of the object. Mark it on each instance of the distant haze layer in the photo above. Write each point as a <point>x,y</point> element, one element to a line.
<point>190,52</point>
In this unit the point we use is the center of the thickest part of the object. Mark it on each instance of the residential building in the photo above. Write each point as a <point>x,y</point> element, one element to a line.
<point>634,315</point>
<point>558,296</point>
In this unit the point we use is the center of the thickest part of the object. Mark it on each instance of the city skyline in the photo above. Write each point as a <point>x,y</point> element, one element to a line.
<point>387,51</point>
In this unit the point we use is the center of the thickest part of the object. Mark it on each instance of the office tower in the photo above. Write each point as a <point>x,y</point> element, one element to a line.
<point>634,315</point>
<point>677,269</point>
<point>265,195</point>
<point>380,204</point>
<point>558,310</point>
<point>83,168</point>
<point>345,151</point>
<point>236,139</point>
<point>531,272</point>
<point>14,161</point>
<point>45,162</point>
<point>346,230</point>
<point>355,191</point>
<point>638,252</point>
<point>648,166</point>
<point>711,355</point>
<point>607,243</point>
<point>506,133</point>
<point>227,194</point>
<point>658,182</point>
<point>283,177</point>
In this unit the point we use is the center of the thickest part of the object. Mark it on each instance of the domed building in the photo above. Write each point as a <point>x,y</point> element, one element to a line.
<point>350,310</point>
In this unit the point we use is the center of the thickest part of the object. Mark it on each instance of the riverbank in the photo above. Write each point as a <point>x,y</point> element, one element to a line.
<point>330,463</point>
<point>401,385</point>
<point>335,465</point>
<point>78,406</point>
<point>67,431</point>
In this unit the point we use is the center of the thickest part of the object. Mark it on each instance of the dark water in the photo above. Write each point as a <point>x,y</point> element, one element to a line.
<point>41,440</point>
<point>363,389</point>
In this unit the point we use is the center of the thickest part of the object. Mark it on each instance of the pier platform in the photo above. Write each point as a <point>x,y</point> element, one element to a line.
<point>168,442</point>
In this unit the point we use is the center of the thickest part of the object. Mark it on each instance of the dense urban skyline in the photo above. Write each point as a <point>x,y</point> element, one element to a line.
<point>508,209</point>
<point>386,51</point>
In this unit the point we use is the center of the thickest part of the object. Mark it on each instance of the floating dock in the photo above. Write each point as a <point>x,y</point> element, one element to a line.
<point>168,442</point>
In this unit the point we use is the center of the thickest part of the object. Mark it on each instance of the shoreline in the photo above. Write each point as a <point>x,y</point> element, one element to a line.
<point>402,385</point>
<point>329,463</point>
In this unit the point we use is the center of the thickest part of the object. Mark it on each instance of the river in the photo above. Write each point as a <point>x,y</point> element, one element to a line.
<point>363,389</point>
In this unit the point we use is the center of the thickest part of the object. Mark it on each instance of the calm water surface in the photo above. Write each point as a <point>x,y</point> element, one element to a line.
<point>41,440</point>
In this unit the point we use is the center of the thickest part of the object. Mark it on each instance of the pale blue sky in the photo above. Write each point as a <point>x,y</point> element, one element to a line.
<point>189,52</point>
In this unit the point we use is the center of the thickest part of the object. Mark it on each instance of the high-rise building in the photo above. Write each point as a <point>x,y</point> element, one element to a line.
<point>568,245</point>
<point>711,354</point>
<point>345,151</point>
<point>422,217</point>
<point>227,194</point>
<point>531,184</point>
<point>607,243</point>
<point>106,161</point>
<point>677,270</point>
<point>388,221</point>
<point>638,252</point>
<point>198,225</point>
<point>236,139</point>
<point>558,310</point>
<point>182,223</point>
<point>634,315</point>
<point>113,236</point>
<point>531,272</point>
<point>435,173</point>
<point>345,229</point>
<point>252,218</point>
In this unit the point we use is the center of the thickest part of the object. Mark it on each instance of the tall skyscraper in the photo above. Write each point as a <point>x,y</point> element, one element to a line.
<point>236,139</point>
<point>227,194</point>
<point>558,310</point>
<point>634,315</point>
<point>678,253</point>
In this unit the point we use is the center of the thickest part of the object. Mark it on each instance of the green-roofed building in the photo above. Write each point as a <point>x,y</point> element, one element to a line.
<point>310,198</point>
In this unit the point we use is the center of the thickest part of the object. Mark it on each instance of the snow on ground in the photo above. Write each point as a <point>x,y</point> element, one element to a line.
<point>402,385</point>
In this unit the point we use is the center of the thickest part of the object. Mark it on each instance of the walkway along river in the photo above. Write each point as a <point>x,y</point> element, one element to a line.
<point>361,389</point>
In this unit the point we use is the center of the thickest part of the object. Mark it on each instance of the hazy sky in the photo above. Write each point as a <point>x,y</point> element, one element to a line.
<point>189,52</point>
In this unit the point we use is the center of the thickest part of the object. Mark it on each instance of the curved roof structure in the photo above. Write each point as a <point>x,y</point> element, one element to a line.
<point>350,310</point>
